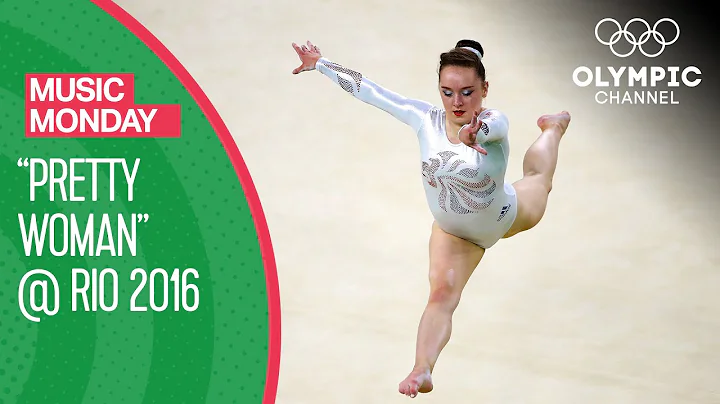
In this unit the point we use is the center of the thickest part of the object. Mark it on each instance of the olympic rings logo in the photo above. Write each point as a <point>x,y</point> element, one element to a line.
<point>637,43</point>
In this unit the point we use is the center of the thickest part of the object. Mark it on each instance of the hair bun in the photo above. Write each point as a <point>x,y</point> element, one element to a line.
<point>469,43</point>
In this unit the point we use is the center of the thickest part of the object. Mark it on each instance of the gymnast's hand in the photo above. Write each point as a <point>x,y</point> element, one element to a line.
<point>309,55</point>
<point>468,133</point>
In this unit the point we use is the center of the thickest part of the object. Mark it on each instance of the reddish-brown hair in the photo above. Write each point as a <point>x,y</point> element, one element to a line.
<point>459,56</point>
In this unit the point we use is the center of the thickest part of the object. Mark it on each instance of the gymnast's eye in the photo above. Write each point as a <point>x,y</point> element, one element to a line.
<point>447,93</point>
<point>467,93</point>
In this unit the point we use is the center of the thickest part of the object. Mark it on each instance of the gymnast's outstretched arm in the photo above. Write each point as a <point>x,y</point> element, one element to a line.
<point>409,111</point>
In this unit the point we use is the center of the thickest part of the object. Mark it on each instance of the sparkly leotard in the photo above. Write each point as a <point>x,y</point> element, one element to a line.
<point>465,190</point>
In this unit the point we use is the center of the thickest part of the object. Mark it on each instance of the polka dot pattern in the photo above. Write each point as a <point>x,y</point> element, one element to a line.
<point>199,218</point>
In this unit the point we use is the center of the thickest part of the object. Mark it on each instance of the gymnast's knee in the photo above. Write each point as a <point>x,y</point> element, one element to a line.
<point>541,180</point>
<point>548,183</point>
<point>444,296</point>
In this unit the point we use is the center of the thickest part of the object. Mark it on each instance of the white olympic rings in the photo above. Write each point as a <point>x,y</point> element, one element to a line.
<point>637,43</point>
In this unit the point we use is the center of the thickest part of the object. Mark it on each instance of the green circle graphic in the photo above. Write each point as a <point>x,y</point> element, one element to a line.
<point>198,216</point>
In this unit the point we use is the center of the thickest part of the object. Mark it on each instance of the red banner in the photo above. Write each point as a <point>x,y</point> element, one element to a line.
<point>93,105</point>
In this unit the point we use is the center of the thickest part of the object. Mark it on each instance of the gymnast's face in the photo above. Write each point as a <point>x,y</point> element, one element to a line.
<point>462,92</point>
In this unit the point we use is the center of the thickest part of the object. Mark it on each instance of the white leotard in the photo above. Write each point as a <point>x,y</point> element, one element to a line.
<point>465,190</point>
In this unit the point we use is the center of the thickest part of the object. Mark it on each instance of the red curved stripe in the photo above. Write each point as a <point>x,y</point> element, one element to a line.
<point>243,174</point>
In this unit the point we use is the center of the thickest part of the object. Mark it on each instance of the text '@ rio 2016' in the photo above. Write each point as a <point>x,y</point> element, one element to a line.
<point>98,290</point>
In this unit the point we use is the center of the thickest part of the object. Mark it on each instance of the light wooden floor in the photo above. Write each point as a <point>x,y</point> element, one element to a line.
<point>612,299</point>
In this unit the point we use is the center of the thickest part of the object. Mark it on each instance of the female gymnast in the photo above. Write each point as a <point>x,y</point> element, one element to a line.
<point>464,152</point>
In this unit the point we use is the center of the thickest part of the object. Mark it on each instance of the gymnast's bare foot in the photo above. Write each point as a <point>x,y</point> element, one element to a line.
<point>418,381</point>
<point>558,122</point>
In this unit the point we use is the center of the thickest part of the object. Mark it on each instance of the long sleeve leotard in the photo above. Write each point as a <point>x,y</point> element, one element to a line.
<point>465,190</point>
